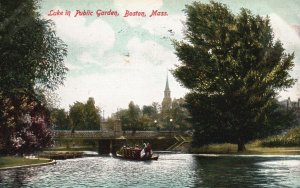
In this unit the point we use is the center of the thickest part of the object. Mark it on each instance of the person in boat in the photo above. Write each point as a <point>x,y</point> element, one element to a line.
<point>136,151</point>
<point>123,151</point>
<point>148,150</point>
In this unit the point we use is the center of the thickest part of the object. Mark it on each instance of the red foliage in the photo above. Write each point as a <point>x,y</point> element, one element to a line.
<point>24,124</point>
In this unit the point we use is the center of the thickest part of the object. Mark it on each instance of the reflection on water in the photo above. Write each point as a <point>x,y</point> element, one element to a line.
<point>286,172</point>
<point>248,171</point>
<point>171,170</point>
<point>16,178</point>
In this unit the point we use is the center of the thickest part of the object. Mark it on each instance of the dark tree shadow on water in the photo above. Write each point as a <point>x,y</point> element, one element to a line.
<point>17,177</point>
<point>234,171</point>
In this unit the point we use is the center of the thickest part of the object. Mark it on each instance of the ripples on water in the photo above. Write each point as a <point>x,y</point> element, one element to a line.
<point>171,170</point>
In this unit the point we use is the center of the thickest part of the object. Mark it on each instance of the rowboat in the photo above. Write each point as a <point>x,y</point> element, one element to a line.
<point>136,153</point>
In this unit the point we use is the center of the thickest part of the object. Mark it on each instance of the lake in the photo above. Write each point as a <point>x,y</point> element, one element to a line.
<point>171,170</point>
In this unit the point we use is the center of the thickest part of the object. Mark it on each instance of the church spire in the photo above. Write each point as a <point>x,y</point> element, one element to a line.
<point>167,101</point>
<point>167,89</point>
<point>167,84</point>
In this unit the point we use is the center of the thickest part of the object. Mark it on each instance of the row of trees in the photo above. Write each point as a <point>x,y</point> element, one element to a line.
<point>31,66</point>
<point>234,69</point>
<point>86,116</point>
<point>81,116</point>
<point>149,117</point>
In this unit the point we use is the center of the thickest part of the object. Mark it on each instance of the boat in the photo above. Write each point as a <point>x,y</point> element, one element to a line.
<point>136,153</point>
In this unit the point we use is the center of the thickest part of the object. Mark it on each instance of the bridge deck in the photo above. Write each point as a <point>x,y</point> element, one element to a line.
<point>115,135</point>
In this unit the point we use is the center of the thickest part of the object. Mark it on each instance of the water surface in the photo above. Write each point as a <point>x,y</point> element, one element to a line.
<point>171,170</point>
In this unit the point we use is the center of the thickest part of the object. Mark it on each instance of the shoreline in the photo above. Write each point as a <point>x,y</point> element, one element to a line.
<point>250,150</point>
<point>28,166</point>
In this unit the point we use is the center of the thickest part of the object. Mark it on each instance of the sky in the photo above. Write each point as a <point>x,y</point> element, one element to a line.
<point>118,59</point>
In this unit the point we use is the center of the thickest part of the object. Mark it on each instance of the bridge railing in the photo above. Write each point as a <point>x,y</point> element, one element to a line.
<point>112,134</point>
<point>82,134</point>
<point>148,133</point>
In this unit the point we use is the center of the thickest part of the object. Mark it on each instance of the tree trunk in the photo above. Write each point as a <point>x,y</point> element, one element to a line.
<point>241,146</point>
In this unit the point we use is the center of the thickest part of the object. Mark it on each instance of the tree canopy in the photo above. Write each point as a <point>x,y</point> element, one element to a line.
<point>85,116</point>
<point>31,53</point>
<point>234,70</point>
<point>151,117</point>
<point>31,60</point>
<point>60,119</point>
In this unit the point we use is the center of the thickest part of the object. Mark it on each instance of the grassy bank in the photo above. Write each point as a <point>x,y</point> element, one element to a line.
<point>251,149</point>
<point>59,155</point>
<point>83,148</point>
<point>289,139</point>
<point>287,143</point>
<point>20,161</point>
<point>215,149</point>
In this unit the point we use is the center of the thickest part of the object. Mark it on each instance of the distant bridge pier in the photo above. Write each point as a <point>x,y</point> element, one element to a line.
<point>104,147</point>
<point>108,146</point>
<point>116,144</point>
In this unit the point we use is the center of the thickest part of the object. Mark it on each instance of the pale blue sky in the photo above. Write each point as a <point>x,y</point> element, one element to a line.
<point>117,60</point>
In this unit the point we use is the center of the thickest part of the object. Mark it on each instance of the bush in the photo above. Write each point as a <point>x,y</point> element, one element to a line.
<point>289,139</point>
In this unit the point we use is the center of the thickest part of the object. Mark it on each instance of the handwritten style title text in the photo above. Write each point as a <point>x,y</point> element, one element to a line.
<point>99,12</point>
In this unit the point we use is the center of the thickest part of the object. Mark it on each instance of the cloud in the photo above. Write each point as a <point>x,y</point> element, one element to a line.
<point>150,52</point>
<point>87,57</point>
<point>138,4</point>
<point>72,67</point>
<point>289,36</point>
<point>170,26</point>
<point>285,33</point>
<point>142,56</point>
<point>97,34</point>
<point>88,40</point>
<point>166,26</point>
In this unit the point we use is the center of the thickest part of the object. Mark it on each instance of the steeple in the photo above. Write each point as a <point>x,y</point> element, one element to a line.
<point>167,89</point>
<point>167,101</point>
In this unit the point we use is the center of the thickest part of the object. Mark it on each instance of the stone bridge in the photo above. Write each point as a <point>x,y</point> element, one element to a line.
<point>103,135</point>
<point>110,141</point>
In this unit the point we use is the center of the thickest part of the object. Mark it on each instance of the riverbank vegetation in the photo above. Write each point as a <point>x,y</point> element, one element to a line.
<point>59,155</point>
<point>286,143</point>
<point>289,139</point>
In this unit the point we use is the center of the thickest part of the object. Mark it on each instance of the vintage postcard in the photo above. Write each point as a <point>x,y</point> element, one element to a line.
<point>149,93</point>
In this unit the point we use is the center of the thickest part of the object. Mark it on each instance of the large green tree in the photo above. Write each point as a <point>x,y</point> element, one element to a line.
<point>31,53</point>
<point>122,115</point>
<point>234,69</point>
<point>31,57</point>
<point>180,115</point>
<point>134,112</point>
<point>85,116</point>
<point>77,116</point>
<point>150,117</point>
<point>92,115</point>
<point>60,119</point>
<point>135,119</point>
